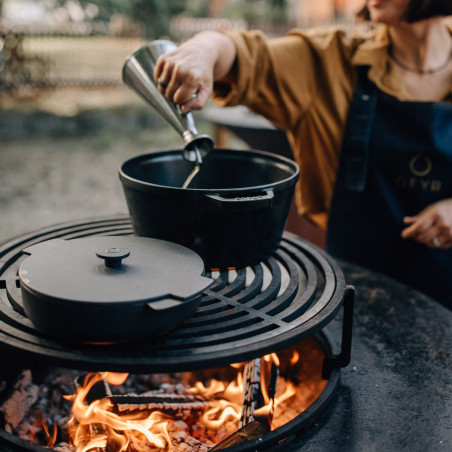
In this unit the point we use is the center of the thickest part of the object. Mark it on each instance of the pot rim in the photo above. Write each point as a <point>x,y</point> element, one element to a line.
<point>277,159</point>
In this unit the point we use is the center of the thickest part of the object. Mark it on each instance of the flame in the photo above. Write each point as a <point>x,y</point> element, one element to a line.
<point>40,424</point>
<point>97,426</point>
<point>115,378</point>
<point>51,437</point>
<point>272,359</point>
<point>227,408</point>
<point>219,415</point>
<point>272,402</point>
<point>295,358</point>
<point>289,392</point>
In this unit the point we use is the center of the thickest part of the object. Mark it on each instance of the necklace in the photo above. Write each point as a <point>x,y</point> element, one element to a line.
<point>415,69</point>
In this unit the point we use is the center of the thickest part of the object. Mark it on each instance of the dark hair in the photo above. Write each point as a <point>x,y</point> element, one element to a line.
<point>418,10</point>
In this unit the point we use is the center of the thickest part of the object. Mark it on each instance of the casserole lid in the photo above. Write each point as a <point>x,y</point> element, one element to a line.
<point>111,270</point>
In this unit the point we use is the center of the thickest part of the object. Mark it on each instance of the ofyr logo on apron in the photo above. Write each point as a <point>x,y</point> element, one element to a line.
<point>419,175</point>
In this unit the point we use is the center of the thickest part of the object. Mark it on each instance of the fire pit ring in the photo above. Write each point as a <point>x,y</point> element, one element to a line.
<point>288,314</point>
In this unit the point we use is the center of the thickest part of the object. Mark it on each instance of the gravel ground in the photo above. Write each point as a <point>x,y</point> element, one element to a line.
<point>55,169</point>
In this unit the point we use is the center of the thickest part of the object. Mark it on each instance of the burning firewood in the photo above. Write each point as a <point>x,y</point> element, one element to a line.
<point>259,388</point>
<point>124,414</point>
<point>247,433</point>
<point>175,405</point>
<point>199,411</point>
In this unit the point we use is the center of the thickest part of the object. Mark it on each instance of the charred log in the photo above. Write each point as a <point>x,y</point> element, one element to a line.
<point>247,433</point>
<point>259,384</point>
<point>176,405</point>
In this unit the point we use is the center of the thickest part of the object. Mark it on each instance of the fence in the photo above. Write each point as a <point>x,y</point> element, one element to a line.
<point>32,61</point>
<point>86,54</point>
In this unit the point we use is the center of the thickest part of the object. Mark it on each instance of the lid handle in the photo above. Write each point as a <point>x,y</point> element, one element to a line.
<point>113,256</point>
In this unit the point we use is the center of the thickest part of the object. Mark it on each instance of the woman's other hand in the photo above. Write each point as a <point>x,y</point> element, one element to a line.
<point>186,74</point>
<point>432,226</point>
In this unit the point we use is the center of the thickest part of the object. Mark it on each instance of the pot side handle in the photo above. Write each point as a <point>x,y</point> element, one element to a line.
<point>166,303</point>
<point>240,203</point>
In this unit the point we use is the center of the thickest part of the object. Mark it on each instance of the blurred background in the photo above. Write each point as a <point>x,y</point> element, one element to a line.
<point>67,121</point>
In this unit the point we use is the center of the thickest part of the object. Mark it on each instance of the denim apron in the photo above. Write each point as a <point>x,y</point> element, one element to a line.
<point>396,160</point>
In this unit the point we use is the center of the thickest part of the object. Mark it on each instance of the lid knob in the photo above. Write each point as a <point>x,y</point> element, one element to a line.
<point>113,256</point>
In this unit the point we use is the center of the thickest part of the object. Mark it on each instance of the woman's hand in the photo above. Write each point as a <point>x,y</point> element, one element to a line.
<point>432,226</point>
<point>186,74</point>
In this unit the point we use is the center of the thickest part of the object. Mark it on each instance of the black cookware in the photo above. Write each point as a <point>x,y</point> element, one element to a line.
<point>232,214</point>
<point>116,288</point>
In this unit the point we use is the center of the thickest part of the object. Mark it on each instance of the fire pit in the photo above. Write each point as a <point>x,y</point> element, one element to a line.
<point>191,411</point>
<point>394,394</point>
<point>247,313</point>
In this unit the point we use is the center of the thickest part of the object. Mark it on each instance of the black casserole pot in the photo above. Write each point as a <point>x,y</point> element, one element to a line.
<point>233,213</point>
<point>109,289</point>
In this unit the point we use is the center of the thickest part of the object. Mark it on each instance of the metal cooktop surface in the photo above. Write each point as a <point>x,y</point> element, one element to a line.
<point>245,314</point>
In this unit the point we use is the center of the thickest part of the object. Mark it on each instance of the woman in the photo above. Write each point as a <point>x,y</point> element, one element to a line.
<point>369,118</point>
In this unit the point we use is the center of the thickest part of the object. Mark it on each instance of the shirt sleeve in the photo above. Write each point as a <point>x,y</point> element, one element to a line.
<point>303,83</point>
<point>280,78</point>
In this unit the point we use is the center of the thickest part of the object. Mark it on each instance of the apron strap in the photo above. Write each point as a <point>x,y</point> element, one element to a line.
<point>361,117</point>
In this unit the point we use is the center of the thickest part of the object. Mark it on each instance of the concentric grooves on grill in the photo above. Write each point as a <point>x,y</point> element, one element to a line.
<point>244,314</point>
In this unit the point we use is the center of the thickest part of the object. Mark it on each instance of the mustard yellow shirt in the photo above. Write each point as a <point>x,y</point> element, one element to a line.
<point>304,83</point>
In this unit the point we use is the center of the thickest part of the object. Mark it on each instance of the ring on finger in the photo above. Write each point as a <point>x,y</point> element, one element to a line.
<point>436,242</point>
<point>162,84</point>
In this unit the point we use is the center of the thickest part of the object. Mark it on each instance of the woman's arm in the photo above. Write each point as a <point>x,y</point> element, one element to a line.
<point>188,72</point>
<point>432,226</point>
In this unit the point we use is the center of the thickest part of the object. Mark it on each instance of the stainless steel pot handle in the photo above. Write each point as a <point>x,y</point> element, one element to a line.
<point>240,202</point>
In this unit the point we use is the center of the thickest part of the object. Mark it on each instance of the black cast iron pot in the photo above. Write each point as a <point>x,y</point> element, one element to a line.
<point>233,213</point>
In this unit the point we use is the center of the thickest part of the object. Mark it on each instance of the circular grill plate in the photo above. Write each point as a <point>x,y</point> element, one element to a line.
<point>245,314</point>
